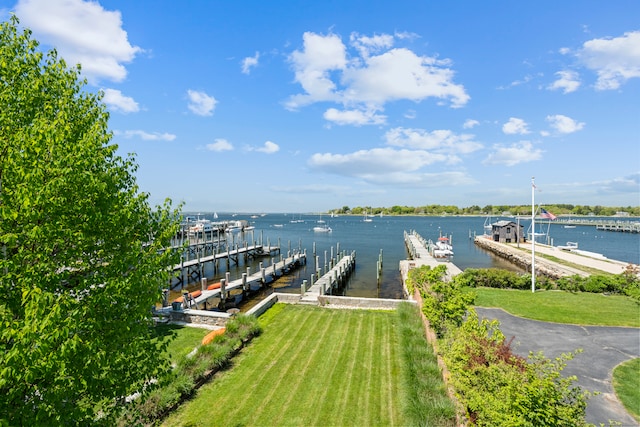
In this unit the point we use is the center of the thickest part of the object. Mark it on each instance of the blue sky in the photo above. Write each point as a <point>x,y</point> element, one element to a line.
<point>284,106</point>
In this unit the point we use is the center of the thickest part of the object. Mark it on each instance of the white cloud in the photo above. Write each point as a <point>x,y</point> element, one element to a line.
<point>564,124</point>
<point>521,152</point>
<point>220,145</point>
<point>269,148</point>
<point>116,101</point>
<point>515,126</point>
<point>250,62</point>
<point>470,123</point>
<point>200,103</point>
<point>568,81</point>
<point>82,32</point>
<point>615,60</point>
<point>354,117</point>
<point>373,75</point>
<point>320,55</point>
<point>389,166</point>
<point>366,45</point>
<point>146,136</point>
<point>375,161</point>
<point>401,74</point>
<point>443,141</point>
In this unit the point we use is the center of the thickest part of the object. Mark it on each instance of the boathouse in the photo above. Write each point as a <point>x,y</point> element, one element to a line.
<point>507,232</point>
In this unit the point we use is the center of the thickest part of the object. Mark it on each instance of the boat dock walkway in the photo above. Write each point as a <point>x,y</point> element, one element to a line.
<point>192,268</point>
<point>624,226</point>
<point>419,249</point>
<point>333,278</point>
<point>221,290</point>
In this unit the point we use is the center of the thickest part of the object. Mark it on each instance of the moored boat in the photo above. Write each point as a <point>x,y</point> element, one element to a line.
<point>322,229</point>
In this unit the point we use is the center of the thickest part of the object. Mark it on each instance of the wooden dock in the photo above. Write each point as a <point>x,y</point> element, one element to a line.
<point>420,251</point>
<point>624,226</point>
<point>332,279</point>
<point>192,269</point>
<point>263,276</point>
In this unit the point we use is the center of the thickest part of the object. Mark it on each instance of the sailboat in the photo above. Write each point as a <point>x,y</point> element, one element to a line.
<point>366,218</point>
<point>488,225</point>
<point>324,228</point>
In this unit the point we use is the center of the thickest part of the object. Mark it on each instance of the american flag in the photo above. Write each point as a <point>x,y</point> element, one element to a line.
<point>546,214</point>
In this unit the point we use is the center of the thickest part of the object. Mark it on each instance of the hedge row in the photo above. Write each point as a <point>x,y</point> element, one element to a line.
<point>493,385</point>
<point>190,372</point>
<point>627,283</point>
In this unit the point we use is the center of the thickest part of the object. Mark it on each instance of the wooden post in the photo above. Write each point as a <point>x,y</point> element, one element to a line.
<point>223,293</point>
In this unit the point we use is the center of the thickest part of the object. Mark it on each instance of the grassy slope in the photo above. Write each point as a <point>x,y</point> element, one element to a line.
<point>563,307</point>
<point>310,367</point>
<point>626,382</point>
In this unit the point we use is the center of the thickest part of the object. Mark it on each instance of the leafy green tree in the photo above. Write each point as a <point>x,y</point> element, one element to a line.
<point>81,260</point>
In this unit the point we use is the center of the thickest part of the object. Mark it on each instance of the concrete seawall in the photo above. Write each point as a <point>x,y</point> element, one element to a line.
<point>573,262</point>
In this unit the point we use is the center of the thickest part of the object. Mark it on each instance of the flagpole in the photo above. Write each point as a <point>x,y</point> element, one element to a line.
<point>533,235</point>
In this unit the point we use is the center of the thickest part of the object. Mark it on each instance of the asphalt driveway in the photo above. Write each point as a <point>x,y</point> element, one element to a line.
<point>603,348</point>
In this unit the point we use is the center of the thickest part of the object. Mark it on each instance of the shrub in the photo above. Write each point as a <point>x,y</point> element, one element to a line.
<point>444,304</point>
<point>498,387</point>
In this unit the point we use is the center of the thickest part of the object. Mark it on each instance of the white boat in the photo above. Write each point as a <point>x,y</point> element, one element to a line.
<point>569,246</point>
<point>278,225</point>
<point>322,229</point>
<point>442,248</point>
<point>201,226</point>
<point>366,218</point>
<point>488,226</point>
<point>569,226</point>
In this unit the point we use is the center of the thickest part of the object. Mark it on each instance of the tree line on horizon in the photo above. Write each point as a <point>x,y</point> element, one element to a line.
<point>493,210</point>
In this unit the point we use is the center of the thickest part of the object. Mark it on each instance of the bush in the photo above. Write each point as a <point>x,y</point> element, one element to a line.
<point>498,387</point>
<point>444,304</point>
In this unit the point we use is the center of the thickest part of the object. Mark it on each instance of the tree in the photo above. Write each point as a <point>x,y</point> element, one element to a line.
<point>82,260</point>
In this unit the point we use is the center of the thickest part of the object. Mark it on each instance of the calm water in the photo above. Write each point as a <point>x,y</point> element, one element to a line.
<point>386,234</point>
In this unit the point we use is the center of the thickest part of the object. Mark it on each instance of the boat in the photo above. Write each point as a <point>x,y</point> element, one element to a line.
<point>569,246</point>
<point>322,229</point>
<point>442,248</point>
<point>488,225</point>
<point>569,226</point>
<point>201,226</point>
<point>366,218</point>
<point>278,225</point>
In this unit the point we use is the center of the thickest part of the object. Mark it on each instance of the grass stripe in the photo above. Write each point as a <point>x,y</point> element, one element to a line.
<point>311,367</point>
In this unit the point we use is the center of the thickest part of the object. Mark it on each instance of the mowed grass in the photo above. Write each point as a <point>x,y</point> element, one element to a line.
<point>626,382</point>
<point>310,367</point>
<point>185,339</point>
<point>579,308</point>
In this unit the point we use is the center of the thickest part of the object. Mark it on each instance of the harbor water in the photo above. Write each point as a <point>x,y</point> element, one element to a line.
<point>384,236</point>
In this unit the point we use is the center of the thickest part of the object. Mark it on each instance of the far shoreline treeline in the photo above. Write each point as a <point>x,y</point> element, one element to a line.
<point>493,210</point>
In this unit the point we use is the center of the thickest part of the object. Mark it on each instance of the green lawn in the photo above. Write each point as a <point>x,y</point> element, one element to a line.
<point>186,338</point>
<point>626,382</point>
<point>310,367</point>
<point>563,307</point>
